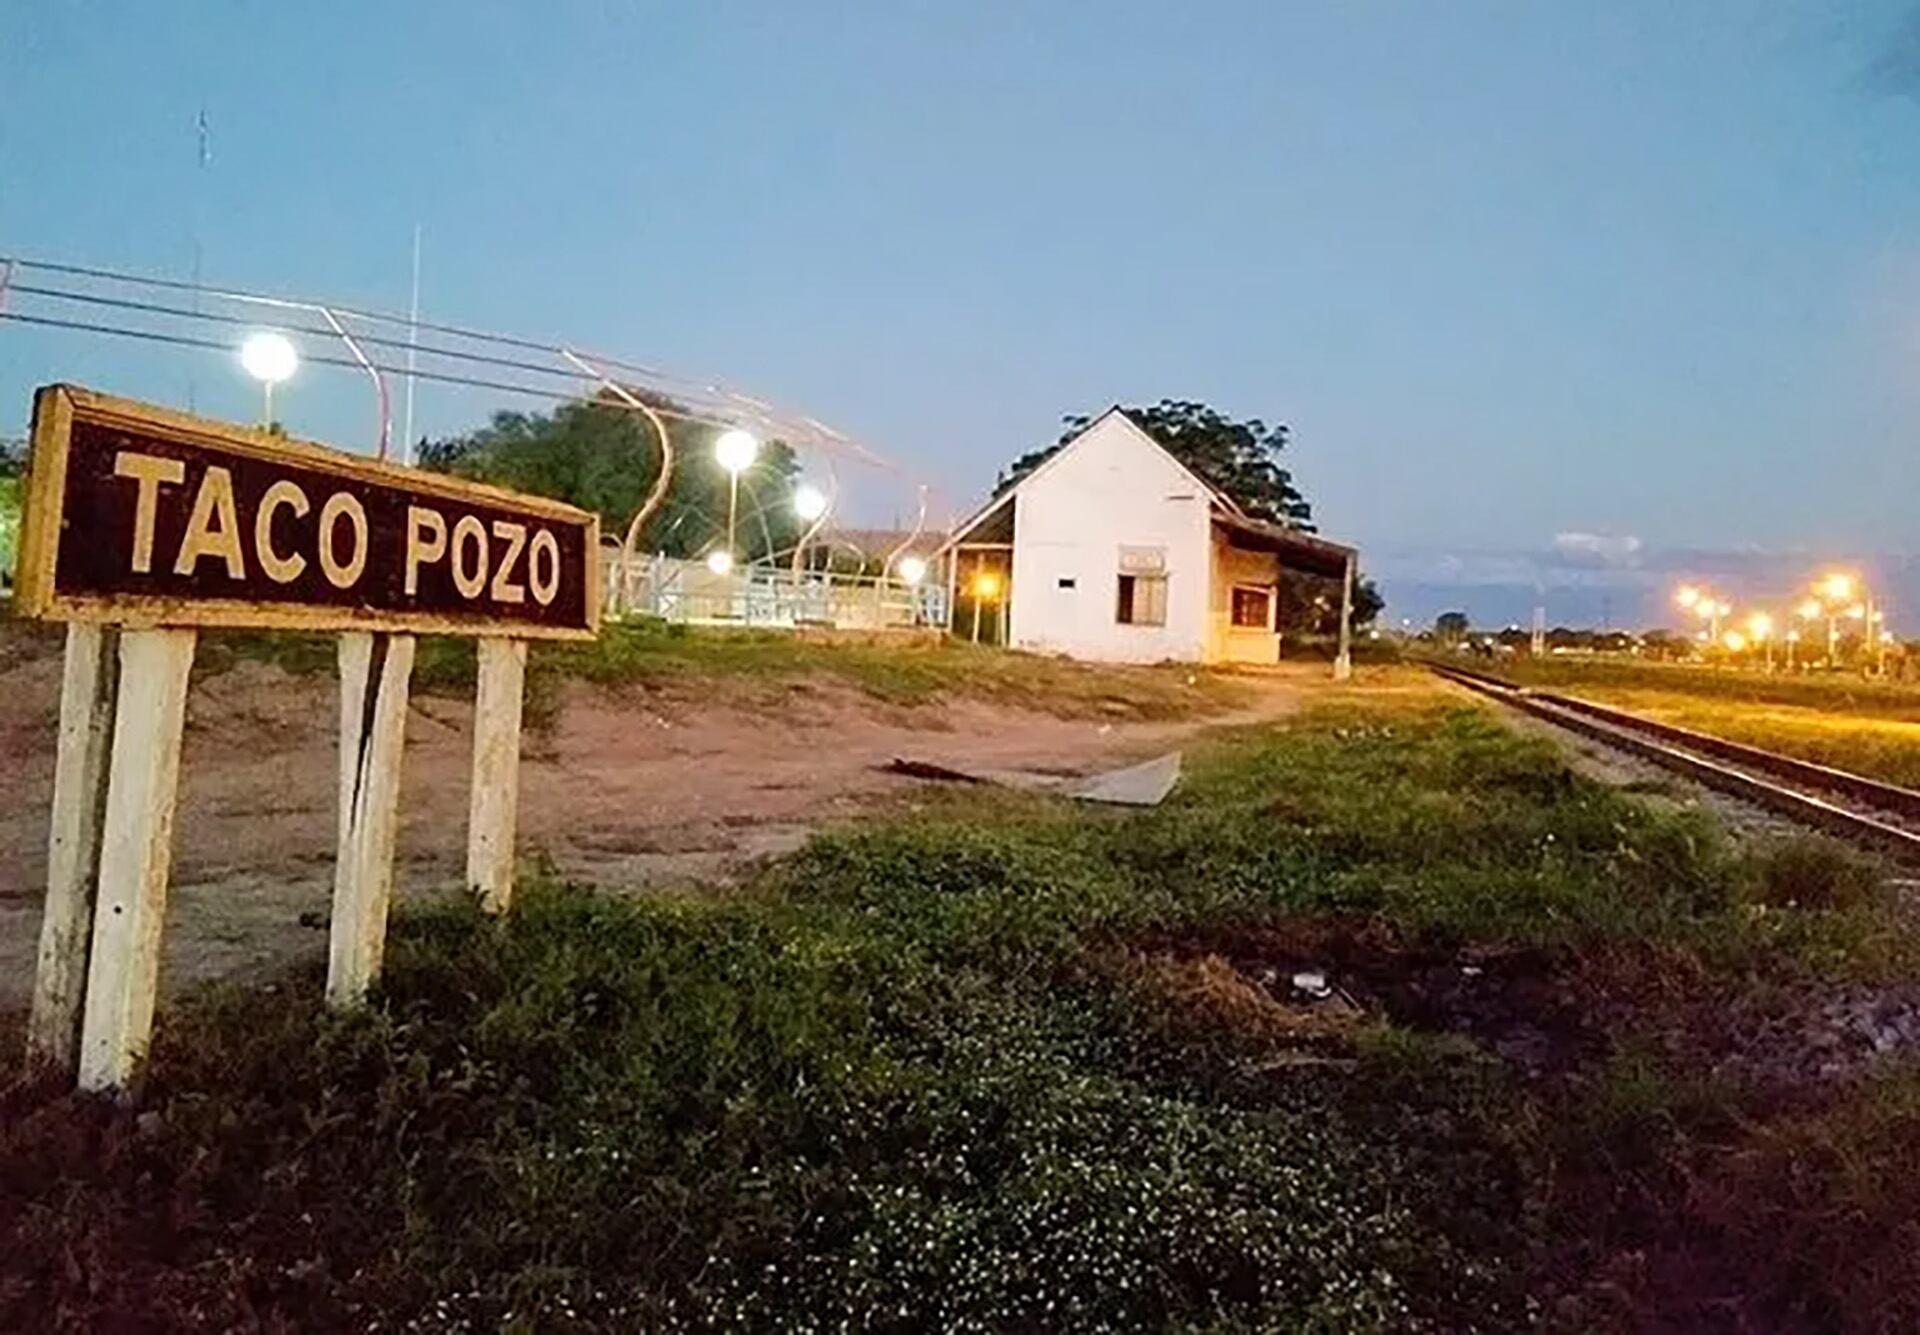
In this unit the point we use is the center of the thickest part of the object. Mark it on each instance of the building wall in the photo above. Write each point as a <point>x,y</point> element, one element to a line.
<point>1226,642</point>
<point>1112,488</point>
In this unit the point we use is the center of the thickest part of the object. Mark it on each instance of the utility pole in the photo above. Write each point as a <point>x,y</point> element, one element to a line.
<point>413,348</point>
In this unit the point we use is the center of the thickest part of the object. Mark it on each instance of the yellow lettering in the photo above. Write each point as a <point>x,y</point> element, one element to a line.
<point>149,472</point>
<point>342,574</point>
<point>545,584</point>
<point>469,533</point>
<point>280,569</point>
<point>213,501</point>
<point>426,542</point>
<point>516,537</point>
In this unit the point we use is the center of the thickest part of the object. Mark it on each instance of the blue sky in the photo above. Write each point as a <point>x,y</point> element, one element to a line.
<point>1514,273</point>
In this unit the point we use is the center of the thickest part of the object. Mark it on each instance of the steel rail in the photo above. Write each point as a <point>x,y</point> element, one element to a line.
<point>1688,752</point>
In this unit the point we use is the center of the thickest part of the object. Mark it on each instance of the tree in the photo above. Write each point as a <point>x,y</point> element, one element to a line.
<point>1241,459</point>
<point>1312,603</point>
<point>1451,627</point>
<point>602,456</point>
<point>1665,644</point>
<point>1368,602</point>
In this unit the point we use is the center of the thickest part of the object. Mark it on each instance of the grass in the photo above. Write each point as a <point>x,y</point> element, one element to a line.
<point>742,663</point>
<point>1005,1062</point>
<point>1835,692</point>
<point>1869,727</point>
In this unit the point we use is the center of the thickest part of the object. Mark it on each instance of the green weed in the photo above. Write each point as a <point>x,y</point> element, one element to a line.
<point>919,1076</point>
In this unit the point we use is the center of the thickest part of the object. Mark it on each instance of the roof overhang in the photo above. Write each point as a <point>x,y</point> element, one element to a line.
<point>985,526</point>
<point>1308,553</point>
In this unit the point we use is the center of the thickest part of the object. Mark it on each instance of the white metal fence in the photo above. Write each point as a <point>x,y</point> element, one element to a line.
<point>767,596</point>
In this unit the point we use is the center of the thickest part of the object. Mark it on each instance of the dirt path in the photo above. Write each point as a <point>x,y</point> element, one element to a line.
<point>634,788</point>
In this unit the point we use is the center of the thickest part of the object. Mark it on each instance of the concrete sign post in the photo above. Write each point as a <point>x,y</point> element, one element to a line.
<point>142,525</point>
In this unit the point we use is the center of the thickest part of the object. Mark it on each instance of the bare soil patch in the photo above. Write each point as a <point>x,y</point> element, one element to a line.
<point>627,786</point>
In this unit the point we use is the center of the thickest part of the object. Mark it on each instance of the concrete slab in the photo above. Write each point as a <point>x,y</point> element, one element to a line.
<point>1144,785</point>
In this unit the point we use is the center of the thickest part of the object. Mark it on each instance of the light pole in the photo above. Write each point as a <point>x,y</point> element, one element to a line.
<point>270,358</point>
<point>1706,605</point>
<point>1862,613</point>
<point>736,450</point>
<point>1809,612</point>
<point>1760,631</point>
<point>986,585</point>
<point>1835,591</point>
<point>810,504</point>
<point>913,569</point>
<point>1793,641</point>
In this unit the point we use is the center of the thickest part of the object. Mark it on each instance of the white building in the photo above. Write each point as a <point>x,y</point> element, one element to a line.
<point>1114,550</point>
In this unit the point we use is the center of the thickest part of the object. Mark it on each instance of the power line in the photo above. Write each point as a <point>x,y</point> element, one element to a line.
<point>187,341</point>
<point>153,308</point>
<point>712,404</point>
<point>360,313</point>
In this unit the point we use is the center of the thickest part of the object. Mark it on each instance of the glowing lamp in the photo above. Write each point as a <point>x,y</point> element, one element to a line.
<point>268,357</point>
<point>912,569</point>
<point>720,561</point>
<point>809,502</point>
<point>736,450</point>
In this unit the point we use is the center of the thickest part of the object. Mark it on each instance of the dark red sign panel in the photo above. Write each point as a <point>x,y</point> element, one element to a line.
<point>139,515</point>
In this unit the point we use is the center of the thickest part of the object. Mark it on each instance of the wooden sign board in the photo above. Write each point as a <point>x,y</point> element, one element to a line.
<point>141,516</point>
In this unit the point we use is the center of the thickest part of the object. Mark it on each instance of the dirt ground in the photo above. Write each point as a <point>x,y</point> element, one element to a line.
<point>627,789</point>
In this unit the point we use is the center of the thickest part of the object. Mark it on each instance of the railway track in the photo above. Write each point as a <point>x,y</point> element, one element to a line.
<point>1851,806</point>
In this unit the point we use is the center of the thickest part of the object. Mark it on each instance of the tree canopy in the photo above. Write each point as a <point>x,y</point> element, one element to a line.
<point>602,456</point>
<point>1241,459</point>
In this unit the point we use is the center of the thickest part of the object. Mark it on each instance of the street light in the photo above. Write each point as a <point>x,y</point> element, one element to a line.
<point>913,569</point>
<point>810,504</point>
<point>1839,591</point>
<point>270,358</point>
<point>720,561</point>
<point>736,450</point>
<point>986,588</point>
<point>1760,630</point>
<point>1704,604</point>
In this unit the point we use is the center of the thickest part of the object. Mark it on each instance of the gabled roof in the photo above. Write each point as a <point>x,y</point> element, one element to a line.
<point>993,503</point>
<point>1300,550</point>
